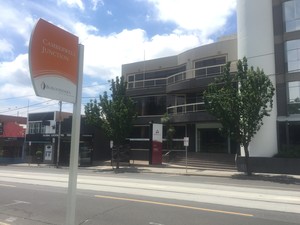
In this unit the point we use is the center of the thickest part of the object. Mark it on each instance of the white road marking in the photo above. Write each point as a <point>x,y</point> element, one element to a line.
<point>11,219</point>
<point>7,185</point>
<point>16,202</point>
<point>152,223</point>
<point>1,223</point>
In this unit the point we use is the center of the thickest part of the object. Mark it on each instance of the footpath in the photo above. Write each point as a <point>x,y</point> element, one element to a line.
<point>137,166</point>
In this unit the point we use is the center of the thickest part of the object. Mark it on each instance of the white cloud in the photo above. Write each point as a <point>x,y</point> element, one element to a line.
<point>6,49</point>
<point>72,3</point>
<point>204,16</point>
<point>16,71</point>
<point>83,31</point>
<point>15,20</point>
<point>104,55</point>
<point>172,44</point>
<point>96,3</point>
<point>94,89</point>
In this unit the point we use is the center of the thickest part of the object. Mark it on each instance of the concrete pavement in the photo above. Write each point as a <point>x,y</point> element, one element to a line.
<point>138,166</point>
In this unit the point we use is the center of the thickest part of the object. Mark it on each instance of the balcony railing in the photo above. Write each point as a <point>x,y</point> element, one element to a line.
<point>204,72</point>
<point>147,83</point>
<point>187,108</point>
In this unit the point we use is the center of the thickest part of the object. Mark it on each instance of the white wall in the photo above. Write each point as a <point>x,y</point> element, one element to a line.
<point>256,42</point>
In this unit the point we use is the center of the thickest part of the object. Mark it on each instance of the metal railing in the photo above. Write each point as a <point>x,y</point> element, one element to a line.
<point>187,108</point>
<point>203,72</point>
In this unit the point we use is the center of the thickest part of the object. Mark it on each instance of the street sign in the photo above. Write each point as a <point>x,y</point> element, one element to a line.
<point>56,68</point>
<point>157,144</point>
<point>53,62</point>
<point>186,141</point>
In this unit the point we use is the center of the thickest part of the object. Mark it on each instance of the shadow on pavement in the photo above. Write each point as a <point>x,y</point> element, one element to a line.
<point>122,170</point>
<point>282,179</point>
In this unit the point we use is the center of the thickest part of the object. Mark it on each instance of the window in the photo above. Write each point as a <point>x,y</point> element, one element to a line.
<point>150,105</point>
<point>292,57</point>
<point>294,97</point>
<point>156,78</point>
<point>209,67</point>
<point>37,128</point>
<point>291,15</point>
<point>41,116</point>
<point>131,78</point>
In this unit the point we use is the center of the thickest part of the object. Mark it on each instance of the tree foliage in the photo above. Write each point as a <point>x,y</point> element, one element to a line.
<point>240,101</point>
<point>170,130</point>
<point>115,114</point>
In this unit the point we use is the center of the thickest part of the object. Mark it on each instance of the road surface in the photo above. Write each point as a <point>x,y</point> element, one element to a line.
<point>37,196</point>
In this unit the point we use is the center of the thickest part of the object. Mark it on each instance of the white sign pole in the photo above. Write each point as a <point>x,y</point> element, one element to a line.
<point>71,199</point>
<point>186,144</point>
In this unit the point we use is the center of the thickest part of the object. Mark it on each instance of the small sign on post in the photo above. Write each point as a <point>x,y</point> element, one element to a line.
<point>186,141</point>
<point>186,144</point>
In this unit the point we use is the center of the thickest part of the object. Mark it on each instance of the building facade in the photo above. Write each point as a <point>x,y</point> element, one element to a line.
<point>43,135</point>
<point>175,85</point>
<point>269,38</point>
<point>286,19</point>
<point>12,134</point>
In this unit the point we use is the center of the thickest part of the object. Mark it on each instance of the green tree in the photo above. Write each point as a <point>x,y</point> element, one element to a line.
<point>240,101</point>
<point>170,130</point>
<point>115,114</point>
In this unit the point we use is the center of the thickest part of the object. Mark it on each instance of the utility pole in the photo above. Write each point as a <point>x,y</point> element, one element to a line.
<point>59,134</point>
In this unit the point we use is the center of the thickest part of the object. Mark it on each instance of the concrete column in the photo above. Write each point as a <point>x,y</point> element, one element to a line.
<point>256,42</point>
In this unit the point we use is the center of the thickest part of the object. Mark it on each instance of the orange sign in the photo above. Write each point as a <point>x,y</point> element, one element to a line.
<point>53,62</point>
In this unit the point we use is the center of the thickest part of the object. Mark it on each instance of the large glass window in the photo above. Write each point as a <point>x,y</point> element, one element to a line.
<point>292,50</point>
<point>294,97</point>
<point>155,78</point>
<point>291,13</point>
<point>150,105</point>
<point>209,67</point>
<point>35,128</point>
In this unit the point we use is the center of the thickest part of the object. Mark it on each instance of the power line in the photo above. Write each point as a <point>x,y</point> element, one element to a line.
<point>25,96</point>
<point>25,107</point>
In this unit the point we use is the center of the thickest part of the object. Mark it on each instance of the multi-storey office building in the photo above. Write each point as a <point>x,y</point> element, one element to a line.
<point>175,85</point>
<point>269,38</point>
<point>286,17</point>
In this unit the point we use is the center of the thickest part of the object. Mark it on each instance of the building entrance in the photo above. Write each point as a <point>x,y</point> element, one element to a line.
<point>211,141</point>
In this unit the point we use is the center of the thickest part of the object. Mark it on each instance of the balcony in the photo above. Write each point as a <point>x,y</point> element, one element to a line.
<point>200,73</point>
<point>193,112</point>
<point>186,108</point>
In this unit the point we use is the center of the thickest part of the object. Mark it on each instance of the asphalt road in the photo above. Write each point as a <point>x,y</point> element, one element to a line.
<point>37,196</point>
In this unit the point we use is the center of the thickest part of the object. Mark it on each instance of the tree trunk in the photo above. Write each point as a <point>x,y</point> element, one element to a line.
<point>248,169</point>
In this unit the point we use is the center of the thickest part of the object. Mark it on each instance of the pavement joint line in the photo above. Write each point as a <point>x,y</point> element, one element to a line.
<point>174,205</point>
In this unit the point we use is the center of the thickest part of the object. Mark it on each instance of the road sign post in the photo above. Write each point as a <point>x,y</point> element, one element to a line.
<point>72,187</point>
<point>56,68</point>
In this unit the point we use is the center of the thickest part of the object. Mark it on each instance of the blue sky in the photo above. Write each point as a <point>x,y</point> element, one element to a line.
<point>114,32</point>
